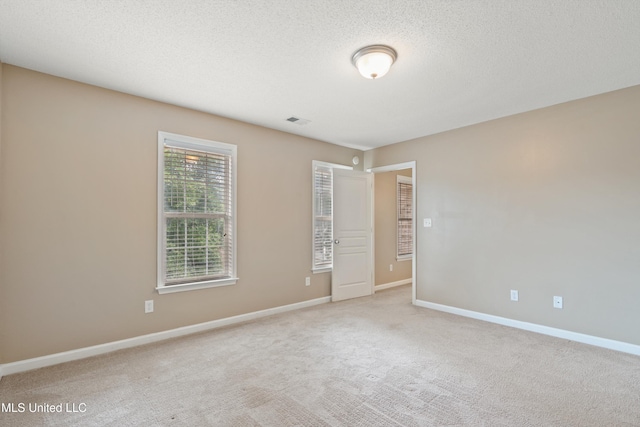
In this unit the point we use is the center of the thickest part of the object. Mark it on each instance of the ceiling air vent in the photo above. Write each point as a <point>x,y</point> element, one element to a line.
<point>298,120</point>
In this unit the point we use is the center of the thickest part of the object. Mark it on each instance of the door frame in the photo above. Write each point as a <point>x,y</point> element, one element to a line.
<point>395,167</point>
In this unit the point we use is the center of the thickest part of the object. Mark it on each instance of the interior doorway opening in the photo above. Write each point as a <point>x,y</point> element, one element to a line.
<point>395,226</point>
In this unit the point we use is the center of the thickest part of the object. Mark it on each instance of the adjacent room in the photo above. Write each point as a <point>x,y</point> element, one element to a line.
<point>320,213</point>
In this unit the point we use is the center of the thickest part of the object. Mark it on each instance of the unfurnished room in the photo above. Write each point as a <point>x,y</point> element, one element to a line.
<point>320,213</point>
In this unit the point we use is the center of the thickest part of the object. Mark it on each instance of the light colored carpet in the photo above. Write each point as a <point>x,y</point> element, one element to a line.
<point>374,361</point>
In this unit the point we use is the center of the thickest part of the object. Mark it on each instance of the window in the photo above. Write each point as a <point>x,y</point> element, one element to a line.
<point>323,215</point>
<point>196,213</point>
<point>405,217</point>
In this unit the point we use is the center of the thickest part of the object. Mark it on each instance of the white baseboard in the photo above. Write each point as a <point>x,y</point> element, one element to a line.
<point>392,284</point>
<point>546,330</point>
<point>81,353</point>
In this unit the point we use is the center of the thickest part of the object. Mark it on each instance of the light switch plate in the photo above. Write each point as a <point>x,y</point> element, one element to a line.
<point>427,222</point>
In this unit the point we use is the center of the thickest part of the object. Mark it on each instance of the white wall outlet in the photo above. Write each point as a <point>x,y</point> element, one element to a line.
<point>514,295</point>
<point>390,267</point>
<point>307,281</point>
<point>557,302</point>
<point>148,306</point>
<point>427,222</point>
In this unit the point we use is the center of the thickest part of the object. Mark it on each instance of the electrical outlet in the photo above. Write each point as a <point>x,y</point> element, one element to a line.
<point>148,306</point>
<point>557,302</point>
<point>307,281</point>
<point>427,222</point>
<point>390,267</point>
<point>514,295</point>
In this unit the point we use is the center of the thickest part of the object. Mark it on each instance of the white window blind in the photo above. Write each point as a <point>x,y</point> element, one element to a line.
<point>197,214</point>
<point>322,216</point>
<point>405,217</point>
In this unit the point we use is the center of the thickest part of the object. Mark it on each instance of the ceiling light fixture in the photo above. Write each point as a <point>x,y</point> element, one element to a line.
<point>374,61</point>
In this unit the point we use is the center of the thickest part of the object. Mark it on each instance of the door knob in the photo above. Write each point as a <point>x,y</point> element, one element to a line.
<point>337,242</point>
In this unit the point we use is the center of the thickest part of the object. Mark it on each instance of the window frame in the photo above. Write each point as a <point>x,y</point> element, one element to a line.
<point>208,146</point>
<point>317,163</point>
<point>404,180</point>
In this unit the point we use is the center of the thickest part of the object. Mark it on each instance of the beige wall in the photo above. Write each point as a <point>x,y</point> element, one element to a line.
<point>546,202</point>
<point>3,299</point>
<point>79,216</point>
<point>386,229</point>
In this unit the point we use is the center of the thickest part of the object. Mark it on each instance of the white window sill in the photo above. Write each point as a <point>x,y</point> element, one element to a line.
<point>321,270</point>
<point>168,289</point>
<point>404,258</point>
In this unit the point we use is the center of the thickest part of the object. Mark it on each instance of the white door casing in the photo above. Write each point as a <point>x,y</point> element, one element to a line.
<point>352,274</point>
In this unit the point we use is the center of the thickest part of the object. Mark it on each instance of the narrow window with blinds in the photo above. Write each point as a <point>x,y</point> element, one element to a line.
<point>405,217</point>
<point>196,213</point>
<point>323,215</point>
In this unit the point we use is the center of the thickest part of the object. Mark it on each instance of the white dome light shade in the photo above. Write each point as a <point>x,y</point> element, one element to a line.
<point>374,61</point>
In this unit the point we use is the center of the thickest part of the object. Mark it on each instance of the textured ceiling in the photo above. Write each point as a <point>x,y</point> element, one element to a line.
<point>459,62</point>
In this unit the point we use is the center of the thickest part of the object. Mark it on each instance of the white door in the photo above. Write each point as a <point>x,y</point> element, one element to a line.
<point>352,274</point>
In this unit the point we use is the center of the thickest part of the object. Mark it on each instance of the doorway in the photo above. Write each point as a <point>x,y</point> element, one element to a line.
<point>394,226</point>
